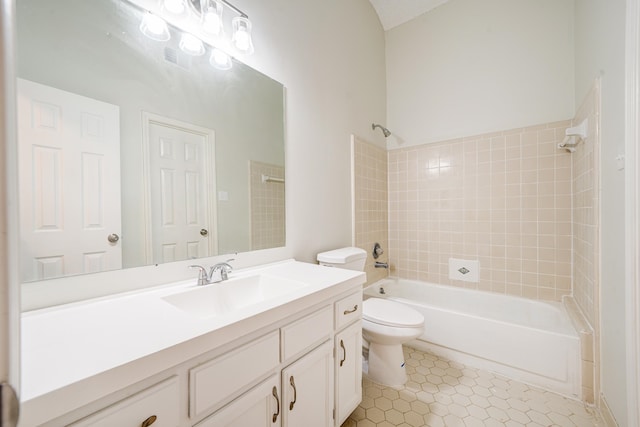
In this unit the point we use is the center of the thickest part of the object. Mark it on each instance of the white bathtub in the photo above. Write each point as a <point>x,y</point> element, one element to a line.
<point>527,340</point>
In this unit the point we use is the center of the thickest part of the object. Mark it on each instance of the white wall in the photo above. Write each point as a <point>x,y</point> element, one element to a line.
<point>471,67</point>
<point>600,50</point>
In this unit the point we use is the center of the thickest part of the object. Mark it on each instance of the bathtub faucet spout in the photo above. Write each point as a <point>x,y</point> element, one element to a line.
<point>381,264</point>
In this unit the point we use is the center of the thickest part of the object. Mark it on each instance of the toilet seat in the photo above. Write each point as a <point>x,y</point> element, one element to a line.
<point>391,313</point>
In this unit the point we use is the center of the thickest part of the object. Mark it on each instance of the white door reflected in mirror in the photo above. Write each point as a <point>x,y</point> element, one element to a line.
<point>180,176</point>
<point>69,163</point>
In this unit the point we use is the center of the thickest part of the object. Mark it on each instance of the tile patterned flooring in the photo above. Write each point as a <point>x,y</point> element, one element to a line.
<point>445,393</point>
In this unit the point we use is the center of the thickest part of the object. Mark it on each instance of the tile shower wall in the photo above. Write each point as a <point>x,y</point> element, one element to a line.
<point>370,203</point>
<point>267,206</point>
<point>502,198</point>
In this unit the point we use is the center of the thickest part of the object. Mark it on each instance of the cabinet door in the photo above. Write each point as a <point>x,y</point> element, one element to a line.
<point>348,371</point>
<point>307,389</point>
<point>259,407</point>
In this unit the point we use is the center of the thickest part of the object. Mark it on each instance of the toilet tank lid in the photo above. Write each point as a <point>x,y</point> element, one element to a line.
<point>342,255</point>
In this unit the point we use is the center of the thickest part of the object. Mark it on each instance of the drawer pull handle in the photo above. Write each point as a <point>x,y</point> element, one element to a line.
<point>353,310</point>
<point>146,423</point>
<point>344,351</point>
<point>295,393</point>
<point>275,394</point>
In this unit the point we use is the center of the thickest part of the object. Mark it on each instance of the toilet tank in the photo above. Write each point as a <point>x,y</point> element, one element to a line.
<point>348,258</point>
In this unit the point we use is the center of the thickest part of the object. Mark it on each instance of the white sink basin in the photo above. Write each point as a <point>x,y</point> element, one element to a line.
<point>217,299</point>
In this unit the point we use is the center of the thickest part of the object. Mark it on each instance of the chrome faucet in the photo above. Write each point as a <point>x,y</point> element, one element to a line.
<point>217,273</point>
<point>223,269</point>
<point>379,264</point>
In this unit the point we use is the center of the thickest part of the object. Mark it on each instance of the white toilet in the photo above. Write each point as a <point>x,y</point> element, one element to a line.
<point>386,325</point>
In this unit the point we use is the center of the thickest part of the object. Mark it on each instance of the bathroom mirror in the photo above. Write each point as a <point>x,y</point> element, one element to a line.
<point>133,152</point>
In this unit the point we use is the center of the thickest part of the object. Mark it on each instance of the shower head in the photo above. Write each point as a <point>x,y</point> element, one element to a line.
<point>385,131</point>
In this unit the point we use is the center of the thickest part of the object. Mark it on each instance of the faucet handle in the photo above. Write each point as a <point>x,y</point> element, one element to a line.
<point>223,268</point>
<point>203,278</point>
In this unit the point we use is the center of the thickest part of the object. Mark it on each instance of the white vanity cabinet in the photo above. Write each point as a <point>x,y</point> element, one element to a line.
<point>297,364</point>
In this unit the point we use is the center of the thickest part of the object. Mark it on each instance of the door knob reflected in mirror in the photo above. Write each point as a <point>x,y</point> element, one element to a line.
<point>113,238</point>
<point>204,232</point>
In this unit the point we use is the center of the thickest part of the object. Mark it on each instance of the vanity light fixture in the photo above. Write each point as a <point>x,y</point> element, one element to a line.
<point>207,16</point>
<point>242,35</point>
<point>154,27</point>
<point>220,59</point>
<point>191,45</point>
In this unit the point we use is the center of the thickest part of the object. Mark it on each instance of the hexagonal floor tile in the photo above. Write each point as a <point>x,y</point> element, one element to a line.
<point>443,393</point>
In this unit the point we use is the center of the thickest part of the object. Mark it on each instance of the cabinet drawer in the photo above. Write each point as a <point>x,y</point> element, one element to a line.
<point>306,332</point>
<point>348,309</point>
<point>215,382</point>
<point>161,401</point>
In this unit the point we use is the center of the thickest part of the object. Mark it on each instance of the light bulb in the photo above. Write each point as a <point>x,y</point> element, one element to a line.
<point>212,17</point>
<point>191,45</point>
<point>220,60</point>
<point>154,27</point>
<point>242,40</point>
<point>177,7</point>
<point>211,23</point>
<point>242,35</point>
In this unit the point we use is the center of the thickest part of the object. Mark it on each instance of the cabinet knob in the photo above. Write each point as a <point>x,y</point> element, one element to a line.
<point>344,351</point>
<point>146,423</point>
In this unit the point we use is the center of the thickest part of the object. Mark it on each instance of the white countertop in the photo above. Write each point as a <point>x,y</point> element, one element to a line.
<point>118,338</point>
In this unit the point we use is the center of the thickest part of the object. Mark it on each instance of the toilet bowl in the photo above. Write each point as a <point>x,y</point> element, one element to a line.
<point>386,325</point>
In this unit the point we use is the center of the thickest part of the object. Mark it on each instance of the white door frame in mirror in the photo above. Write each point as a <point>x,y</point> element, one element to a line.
<point>208,184</point>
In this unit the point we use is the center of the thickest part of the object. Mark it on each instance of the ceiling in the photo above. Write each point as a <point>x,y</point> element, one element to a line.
<point>395,12</point>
